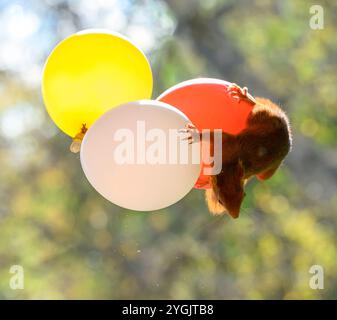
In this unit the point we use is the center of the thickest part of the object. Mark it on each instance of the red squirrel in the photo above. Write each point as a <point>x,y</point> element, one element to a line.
<point>258,151</point>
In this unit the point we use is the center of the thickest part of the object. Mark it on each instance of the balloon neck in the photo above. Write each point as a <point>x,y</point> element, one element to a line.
<point>75,146</point>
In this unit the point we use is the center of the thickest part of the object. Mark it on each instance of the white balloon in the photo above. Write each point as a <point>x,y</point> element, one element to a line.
<point>129,156</point>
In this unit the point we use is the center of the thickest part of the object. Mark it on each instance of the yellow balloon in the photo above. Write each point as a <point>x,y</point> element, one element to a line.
<point>91,72</point>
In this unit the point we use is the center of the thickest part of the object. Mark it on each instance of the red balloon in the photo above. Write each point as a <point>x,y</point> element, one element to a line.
<point>209,105</point>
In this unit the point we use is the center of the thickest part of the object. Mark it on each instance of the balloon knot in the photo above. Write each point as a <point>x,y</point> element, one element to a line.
<point>75,146</point>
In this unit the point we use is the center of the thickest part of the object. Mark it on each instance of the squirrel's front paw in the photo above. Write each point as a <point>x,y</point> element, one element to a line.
<point>192,133</point>
<point>239,93</point>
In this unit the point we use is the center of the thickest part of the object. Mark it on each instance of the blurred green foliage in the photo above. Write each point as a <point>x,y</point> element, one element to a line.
<point>74,244</point>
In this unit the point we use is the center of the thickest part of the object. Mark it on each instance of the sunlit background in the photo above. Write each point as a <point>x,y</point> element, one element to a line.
<point>74,244</point>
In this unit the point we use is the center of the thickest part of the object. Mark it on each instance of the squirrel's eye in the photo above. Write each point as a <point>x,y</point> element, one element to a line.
<point>261,151</point>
